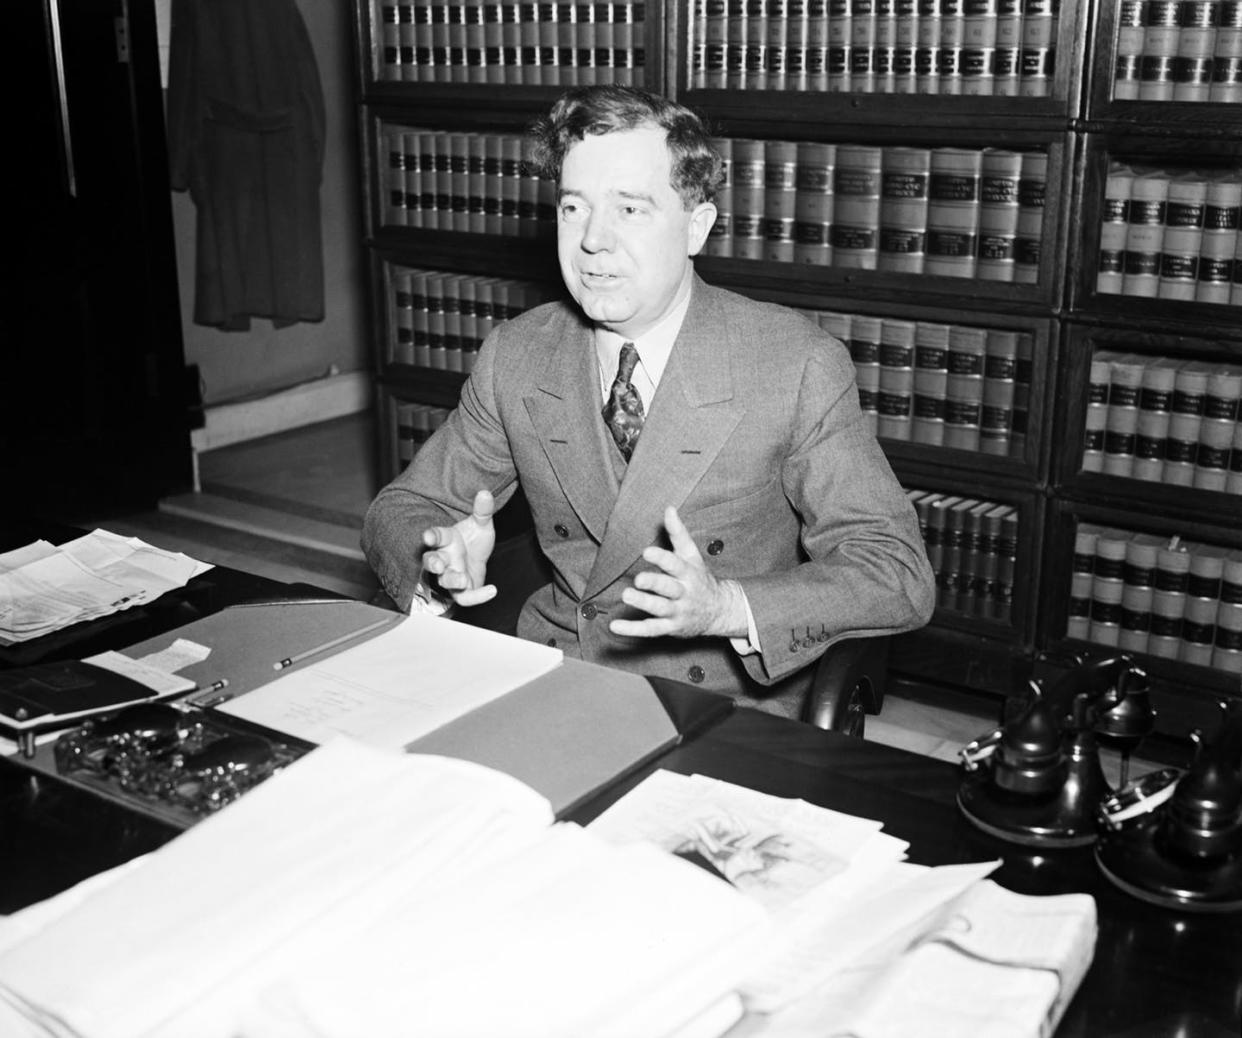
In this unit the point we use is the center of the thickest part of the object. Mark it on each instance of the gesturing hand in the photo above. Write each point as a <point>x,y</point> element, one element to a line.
<point>457,555</point>
<point>682,597</point>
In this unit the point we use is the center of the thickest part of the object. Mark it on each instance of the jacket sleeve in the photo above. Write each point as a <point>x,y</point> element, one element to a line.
<point>867,571</point>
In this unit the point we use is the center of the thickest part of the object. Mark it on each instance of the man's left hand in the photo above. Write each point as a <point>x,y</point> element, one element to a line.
<point>682,597</point>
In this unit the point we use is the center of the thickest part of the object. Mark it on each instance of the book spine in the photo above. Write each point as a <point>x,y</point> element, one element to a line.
<point>1128,53</point>
<point>978,62</point>
<point>748,198</point>
<point>1160,35</point>
<point>949,578</point>
<point>1227,652</point>
<point>437,349</point>
<point>856,206</point>
<point>1145,234</point>
<point>1168,601</point>
<point>776,46</point>
<point>964,402</point>
<point>1000,174</point>
<point>1183,235</point>
<point>884,50</point>
<point>414,39</point>
<point>476,183</point>
<point>720,237</point>
<point>452,323</point>
<point>896,379</point>
<point>1022,395</point>
<point>1000,373</point>
<point>927,48</point>
<point>468,335</point>
<point>1099,380</point>
<point>953,212</point>
<point>934,539</point>
<point>905,46</point>
<point>711,31</point>
<point>735,45</point>
<point>389,53</point>
<point>840,30</point>
<point>816,57</point>
<point>1039,38</point>
<point>510,186</point>
<point>1114,223</point>
<point>1227,55</point>
<point>1203,587</point>
<point>1192,66</point>
<point>422,317</point>
<point>493,42</point>
<point>402,343</point>
<point>1222,216</point>
<point>779,200</point>
<point>1007,564</point>
<point>1181,449</point>
<point>862,44</point>
<point>796,31</point>
<point>1007,57</point>
<point>1219,428</point>
<point>865,335</point>
<point>1125,385</point>
<point>459,182</point>
<point>392,163</point>
<point>1028,244</point>
<point>903,209</point>
<point>1082,576</point>
<point>985,582</point>
<point>754,62</point>
<point>931,375</point>
<point>1155,401</point>
<point>813,203</point>
<point>952,46</point>
<point>1138,586</point>
<point>1107,587</point>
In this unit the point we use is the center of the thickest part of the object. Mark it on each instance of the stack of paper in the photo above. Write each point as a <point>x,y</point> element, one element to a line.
<point>44,587</point>
<point>369,892</point>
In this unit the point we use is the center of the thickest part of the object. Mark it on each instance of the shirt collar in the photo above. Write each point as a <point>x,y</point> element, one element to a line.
<point>654,347</point>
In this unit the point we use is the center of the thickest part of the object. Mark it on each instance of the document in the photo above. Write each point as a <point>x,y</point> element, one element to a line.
<point>401,684</point>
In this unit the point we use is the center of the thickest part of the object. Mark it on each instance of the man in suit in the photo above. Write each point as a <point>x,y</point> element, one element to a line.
<point>738,520</point>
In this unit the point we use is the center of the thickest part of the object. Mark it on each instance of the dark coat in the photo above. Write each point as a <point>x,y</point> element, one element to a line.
<point>246,137</point>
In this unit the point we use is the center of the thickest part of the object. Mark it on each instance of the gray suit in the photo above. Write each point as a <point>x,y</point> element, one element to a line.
<point>755,435</point>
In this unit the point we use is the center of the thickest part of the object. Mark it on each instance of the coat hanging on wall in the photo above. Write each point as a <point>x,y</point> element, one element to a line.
<point>246,138</point>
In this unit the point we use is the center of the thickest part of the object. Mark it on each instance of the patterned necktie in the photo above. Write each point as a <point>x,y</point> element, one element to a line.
<point>623,411</point>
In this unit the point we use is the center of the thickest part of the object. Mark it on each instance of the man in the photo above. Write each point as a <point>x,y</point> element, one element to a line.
<point>738,520</point>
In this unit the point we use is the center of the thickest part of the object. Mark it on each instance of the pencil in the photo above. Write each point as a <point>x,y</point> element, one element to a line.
<point>297,657</point>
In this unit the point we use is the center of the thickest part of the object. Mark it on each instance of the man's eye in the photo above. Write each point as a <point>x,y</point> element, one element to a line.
<point>572,213</point>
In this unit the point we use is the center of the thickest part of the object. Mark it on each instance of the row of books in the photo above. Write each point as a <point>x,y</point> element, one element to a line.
<point>507,43</point>
<point>475,182</point>
<point>951,385</point>
<point>1179,50</point>
<point>413,424</point>
<point>1158,595</point>
<point>972,546</point>
<point>1171,234</point>
<point>1164,420</point>
<point>949,47</point>
<point>952,212</point>
<point>440,319</point>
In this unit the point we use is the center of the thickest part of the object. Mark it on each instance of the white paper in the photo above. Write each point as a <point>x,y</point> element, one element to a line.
<point>180,654</point>
<point>158,681</point>
<point>407,681</point>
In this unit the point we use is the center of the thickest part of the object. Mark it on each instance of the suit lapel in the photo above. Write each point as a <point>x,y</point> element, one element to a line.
<point>565,411</point>
<point>690,420</point>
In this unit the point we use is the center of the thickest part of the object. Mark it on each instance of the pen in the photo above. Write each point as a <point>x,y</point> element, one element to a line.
<point>205,696</point>
<point>297,657</point>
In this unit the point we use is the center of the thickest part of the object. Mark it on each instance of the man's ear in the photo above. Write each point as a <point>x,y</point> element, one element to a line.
<point>701,220</point>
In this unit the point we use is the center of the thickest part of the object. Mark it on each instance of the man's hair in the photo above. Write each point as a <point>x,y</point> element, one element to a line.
<point>697,168</point>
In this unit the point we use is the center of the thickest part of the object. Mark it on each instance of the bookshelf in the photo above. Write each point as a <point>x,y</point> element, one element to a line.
<point>928,179</point>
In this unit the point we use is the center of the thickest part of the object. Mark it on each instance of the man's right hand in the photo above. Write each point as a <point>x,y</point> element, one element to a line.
<point>457,555</point>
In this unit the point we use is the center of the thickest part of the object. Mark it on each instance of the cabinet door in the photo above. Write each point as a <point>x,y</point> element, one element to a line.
<point>92,412</point>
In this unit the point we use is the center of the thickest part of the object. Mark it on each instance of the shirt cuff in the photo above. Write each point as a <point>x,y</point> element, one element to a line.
<point>748,646</point>
<point>425,601</point>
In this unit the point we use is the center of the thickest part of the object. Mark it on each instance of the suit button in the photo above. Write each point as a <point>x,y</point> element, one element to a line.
<point>696,674</point>
<point>561,530</point>
<point>715,547</point>
<point>589,612</point>
<point>552,642</point>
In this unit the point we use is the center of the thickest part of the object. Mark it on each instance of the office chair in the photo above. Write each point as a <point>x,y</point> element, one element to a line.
<point>847,685</point>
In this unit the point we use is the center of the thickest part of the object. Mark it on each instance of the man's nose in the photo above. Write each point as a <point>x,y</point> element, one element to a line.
<point>598,235</point>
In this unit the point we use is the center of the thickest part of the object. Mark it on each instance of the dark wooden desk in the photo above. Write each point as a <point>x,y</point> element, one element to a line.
<point>1157,973</point>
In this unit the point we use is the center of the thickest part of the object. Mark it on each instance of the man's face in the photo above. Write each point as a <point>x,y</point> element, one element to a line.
<point>623,235</point>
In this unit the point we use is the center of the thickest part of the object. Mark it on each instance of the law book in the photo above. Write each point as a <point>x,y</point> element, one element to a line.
<point>1155,403</point>
<point>459,181</point>
<point>493,192</point>
<point>866,333</point>
<point>963,411</point>
<point>735,45</point>
<point>953,211</point>
<point>999,178</point>
<point>1082,575</point>
<point>389,55</point>
<point>856,206</point>
<point>896,397</point>
<point>510,185</point>
<point>1121,422</point>
<point>437,345</point>
<point>905,46</point>
<point>903,209</point>
<point>776,52</point>
<point>795,30</point>
<point>402,343</point>
<point>474,41</point>
<point>952,46</point>
<point>862,43</point>
<point>1039,47</point>
<point>413,41</point>
<point>1007,56</point>
<point>1227,55</point>
<point>720,237</point>
<point>1222,217</point>
<point>1196,38</point>
<point>813,202</point>
<point>952,535</point>
<point>493,42</point>
<point>392,162</point>
<point>584,44</point>
<point>754,61</point>
<point>779,200</point>
<point>1000,374</point>
<point>712,28</point>
<point>885,46</point>
<point>927,49</point>
<point>931,376</point>
<point>933,535</point>
<point>1138,587</point>
<point>1160,36</point>
<point>1128,52</point>
<point>1107,586</point>
<point>978,59</point>
<point>1184,213</point>
<point>1028,243</point>
<point>1022,395</point>
<point>749,171</point>
<point>1145,233</point>
<point>1114,224</point>
<point>1235,291</point>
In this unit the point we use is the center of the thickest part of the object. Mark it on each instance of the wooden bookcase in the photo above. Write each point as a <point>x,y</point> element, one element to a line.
<point>1069,116</point>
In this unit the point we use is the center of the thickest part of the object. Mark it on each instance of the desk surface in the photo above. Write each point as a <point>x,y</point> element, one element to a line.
<point>1157,973</point>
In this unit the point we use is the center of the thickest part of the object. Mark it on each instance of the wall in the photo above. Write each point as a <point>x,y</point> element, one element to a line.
<point>239,365</point>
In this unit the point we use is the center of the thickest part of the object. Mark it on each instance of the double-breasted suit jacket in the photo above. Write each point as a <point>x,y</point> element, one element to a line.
<point>754,435</point>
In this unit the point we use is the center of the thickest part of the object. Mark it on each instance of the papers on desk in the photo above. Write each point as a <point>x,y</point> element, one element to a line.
<point>45,588</point>
<point>411,679</point>
<point>366,892</point>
